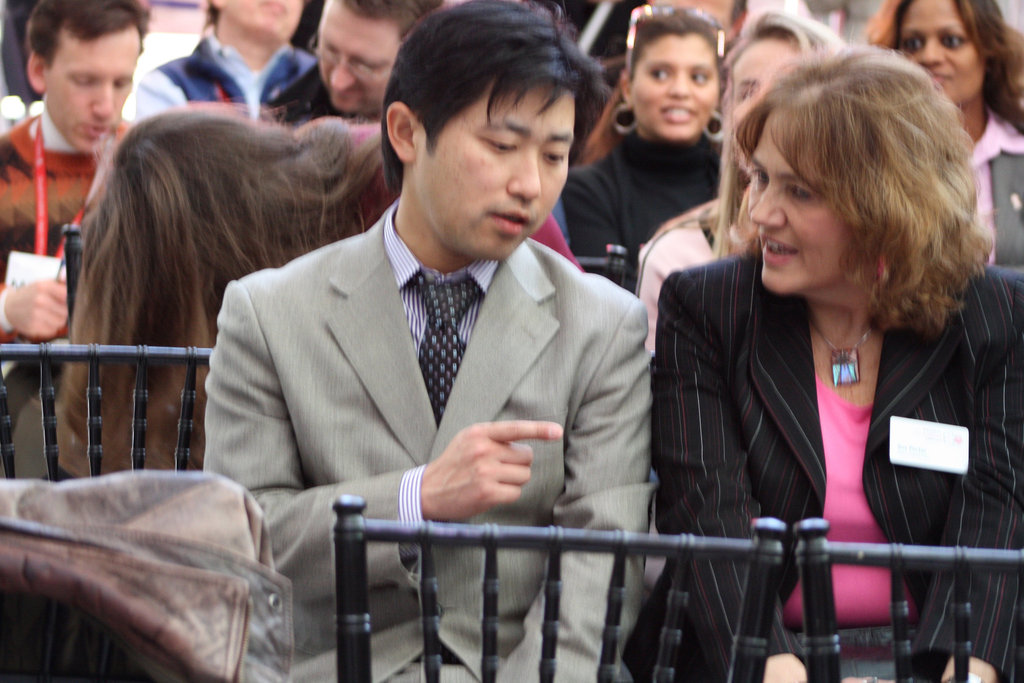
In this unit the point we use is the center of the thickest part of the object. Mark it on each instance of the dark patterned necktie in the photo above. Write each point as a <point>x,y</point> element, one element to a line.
<point>441,349</point>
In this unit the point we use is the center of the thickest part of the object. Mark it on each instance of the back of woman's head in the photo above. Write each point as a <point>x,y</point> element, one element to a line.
<point>869,134</point>
<point>191,200</point>
<point>1000,46</point>
<point>194,199</point>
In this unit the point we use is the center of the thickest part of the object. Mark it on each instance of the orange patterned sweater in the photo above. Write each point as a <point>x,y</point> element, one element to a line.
<point>69,177</point>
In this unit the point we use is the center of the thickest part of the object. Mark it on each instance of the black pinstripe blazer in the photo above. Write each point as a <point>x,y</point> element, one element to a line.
<point>736,435</point>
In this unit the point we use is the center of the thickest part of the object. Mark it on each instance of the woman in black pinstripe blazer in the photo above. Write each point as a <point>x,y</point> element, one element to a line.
<point>867,243</point>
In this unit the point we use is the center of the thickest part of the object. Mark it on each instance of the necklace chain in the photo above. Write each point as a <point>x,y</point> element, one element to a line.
<point>836,348</point>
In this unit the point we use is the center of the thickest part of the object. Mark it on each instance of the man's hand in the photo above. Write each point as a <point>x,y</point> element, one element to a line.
<point>979,667</point>
<point>38,310</point>
<point>482,467</point>
<point>784,668</point>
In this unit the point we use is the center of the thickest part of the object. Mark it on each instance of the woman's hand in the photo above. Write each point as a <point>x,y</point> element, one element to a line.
<point>979,667</point>
<point>784,668</point>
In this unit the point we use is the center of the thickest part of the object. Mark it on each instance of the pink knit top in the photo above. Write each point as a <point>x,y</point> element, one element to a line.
<point>862,593</point>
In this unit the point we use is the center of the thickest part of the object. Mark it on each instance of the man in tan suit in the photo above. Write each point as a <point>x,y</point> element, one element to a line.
<point>331,375</point>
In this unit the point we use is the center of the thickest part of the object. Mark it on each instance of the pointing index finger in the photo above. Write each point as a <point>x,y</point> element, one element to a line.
<point>522,430</point>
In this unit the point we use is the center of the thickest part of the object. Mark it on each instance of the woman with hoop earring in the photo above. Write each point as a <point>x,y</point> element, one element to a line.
<point>654,151</point>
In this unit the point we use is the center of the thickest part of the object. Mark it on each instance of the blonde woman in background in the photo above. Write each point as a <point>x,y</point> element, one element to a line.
<point>766,46</point>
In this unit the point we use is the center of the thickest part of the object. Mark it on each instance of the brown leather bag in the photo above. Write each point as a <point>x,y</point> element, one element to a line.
<point>175,565</point>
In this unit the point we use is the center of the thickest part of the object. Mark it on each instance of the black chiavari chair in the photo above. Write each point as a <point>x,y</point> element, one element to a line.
<point>764,554</point>
<point>815,556</point>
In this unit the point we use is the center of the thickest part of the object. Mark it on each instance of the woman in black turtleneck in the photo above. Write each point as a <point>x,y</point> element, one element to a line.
<point>665,163</point>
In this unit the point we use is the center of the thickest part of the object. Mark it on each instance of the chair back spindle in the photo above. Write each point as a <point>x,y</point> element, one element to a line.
<point>48,401</point>
<point>140,404</point>
<point>182,451</point>
<point>677,601</point>
<point>821,639</point>
<point>552,603</point>
<point>94,413</point>
<point>6,433</point>
<point>352,610</point>
<point>431,614</point>
<point>962,647</point>
<point>750,646</point>
<point>489,660</point>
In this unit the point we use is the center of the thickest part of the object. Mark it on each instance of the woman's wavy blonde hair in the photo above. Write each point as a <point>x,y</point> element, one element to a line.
<point>807,37</point>
<point>869,133</point>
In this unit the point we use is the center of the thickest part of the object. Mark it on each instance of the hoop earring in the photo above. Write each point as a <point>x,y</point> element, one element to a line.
<point>714,129</point>
<point>623,119</point>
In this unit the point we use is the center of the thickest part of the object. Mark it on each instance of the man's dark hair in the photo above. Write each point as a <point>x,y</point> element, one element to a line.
<point>83,19</point>
<point>497,48</point>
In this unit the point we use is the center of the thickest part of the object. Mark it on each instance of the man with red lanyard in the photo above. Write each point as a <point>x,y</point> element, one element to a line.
<point>82,58</point>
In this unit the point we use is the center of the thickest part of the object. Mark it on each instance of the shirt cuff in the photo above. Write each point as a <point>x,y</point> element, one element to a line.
<point>5,324</point>
<point>410,510</point>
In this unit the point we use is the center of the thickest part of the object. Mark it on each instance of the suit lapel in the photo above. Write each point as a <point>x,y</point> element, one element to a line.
<point>367,319</point>
<point>782,372</point>
<point>907,371</point>
<point>512,330</point>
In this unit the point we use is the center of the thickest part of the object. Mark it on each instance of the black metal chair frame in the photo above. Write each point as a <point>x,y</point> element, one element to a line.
<point>613,265</point>
<point>95,355</point>
<point>764,554</point>
<point>815,557</point>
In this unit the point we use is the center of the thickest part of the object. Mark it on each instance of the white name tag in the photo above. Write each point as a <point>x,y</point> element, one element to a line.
<point>24,268</point>
<point>928,445</point>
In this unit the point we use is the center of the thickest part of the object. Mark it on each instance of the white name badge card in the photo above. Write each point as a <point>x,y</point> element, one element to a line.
<point>928,445</point>
<point>24,268</point>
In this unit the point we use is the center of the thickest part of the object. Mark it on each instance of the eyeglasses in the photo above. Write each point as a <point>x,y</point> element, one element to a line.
<point>360,70</point>
<point>646,12</point>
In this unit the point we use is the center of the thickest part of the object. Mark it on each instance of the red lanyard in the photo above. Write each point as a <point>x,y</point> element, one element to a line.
<point>42,210</point>
<point>222,94</point>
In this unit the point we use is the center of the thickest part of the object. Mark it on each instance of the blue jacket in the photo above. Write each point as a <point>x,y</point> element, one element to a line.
<point>198,75</point>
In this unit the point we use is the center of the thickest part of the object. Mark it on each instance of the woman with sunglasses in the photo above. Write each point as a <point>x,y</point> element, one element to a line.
<point>661,159</point>
<point>978,60</point>
<point>859,328</point>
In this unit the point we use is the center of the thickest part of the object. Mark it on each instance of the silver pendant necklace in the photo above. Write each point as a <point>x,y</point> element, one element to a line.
<point>845,362</point>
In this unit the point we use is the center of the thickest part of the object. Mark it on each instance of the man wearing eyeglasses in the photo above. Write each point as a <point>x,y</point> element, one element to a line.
<point>357,42</point>
<point>245,59</point>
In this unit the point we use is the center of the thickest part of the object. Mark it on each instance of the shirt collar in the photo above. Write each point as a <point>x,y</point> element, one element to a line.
<point>405,264</point>
<point>999,137</point>
<point>53,141</point>
<point>232,56</point>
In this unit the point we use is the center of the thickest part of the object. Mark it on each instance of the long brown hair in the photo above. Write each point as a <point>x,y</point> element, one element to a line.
<point>192,200</point>
<point>910,203</point>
